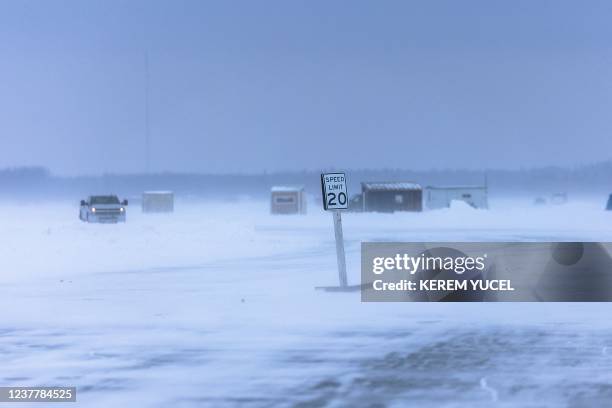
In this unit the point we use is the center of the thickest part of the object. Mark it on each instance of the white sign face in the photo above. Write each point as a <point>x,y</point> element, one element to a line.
<point>335,195</point>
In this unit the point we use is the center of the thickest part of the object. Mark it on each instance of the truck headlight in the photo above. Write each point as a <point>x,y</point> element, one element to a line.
<point>122,209</point>
<point>93,209</point>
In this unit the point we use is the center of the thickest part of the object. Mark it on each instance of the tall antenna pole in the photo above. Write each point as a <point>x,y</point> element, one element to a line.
<point>147,136</point>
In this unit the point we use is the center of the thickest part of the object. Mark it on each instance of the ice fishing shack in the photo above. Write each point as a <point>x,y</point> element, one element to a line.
<point>391,196</point>
<point>287,200</point>
<point>442,196</point>
<point>157,202</point>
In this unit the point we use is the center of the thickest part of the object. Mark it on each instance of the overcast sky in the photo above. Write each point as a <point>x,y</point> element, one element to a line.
<point>247,86</point>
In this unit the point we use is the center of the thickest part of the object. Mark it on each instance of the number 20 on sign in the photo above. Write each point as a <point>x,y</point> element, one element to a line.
<point>335,196</point>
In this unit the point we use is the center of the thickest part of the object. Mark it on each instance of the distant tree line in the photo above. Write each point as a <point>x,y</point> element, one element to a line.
<point>38,182</point>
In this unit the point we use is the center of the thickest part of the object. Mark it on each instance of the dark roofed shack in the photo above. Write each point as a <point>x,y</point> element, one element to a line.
<point>392,196</point>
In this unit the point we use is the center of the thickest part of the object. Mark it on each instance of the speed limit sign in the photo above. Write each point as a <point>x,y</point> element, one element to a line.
<point>335,196</point>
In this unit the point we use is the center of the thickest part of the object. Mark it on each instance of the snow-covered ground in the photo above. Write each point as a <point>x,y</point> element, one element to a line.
<point>215,305</point>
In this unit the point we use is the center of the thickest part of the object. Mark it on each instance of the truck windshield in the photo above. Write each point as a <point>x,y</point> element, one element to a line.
<point>104,200</point>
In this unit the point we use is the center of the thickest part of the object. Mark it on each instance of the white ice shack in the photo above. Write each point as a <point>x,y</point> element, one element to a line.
<point>157,201</point>
<point>287,200</point>
<point>442,196</point>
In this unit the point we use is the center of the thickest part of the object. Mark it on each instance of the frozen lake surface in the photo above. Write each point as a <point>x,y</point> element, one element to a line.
<point>214,306</point>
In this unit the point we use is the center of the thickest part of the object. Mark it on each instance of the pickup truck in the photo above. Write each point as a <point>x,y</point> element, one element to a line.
<point>103,209</point>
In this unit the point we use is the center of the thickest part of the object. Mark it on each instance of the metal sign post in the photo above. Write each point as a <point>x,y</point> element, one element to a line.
<point>335,199</point>
<point>340,249</point>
